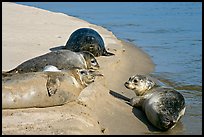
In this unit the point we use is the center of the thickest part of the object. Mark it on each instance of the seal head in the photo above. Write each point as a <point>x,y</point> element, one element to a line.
<point>87,39</point>
<point>140,84</point>
<point>90,60</point>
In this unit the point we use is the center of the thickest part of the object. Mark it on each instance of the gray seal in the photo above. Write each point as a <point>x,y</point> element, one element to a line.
<point>45,89</point>
<point>162,105</point>
<point>62,59</point>
<point>87,39</point>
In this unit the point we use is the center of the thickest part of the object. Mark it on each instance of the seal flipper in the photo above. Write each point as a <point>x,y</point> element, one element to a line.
<point>5,74</point>
<point>106,53</point>
<point>52,85</point>
<point>136,101</point>
<point>9,73</point>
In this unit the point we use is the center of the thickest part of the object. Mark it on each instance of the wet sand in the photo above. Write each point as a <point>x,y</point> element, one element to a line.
<point>101,107</point>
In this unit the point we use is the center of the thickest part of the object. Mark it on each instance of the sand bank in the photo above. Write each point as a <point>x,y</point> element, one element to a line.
<point>101,108</point>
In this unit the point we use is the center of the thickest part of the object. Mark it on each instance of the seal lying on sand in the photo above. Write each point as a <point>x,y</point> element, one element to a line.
<point>62,59</point>
<point>86,39</point>
<point>44,89</point>
<point>163,106</point>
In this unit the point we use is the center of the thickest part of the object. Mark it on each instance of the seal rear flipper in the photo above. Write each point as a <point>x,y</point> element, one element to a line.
<point>52,85</point>
<point>167,125</point>
<point>9,73</point>
<point>6,74</point>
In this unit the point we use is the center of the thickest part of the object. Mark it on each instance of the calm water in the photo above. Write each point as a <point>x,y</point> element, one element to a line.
<point>171,33</point>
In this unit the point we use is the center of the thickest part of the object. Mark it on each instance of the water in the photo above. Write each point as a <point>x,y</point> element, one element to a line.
<point>170,32</point>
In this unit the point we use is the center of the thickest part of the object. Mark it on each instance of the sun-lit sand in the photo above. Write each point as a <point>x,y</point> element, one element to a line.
<point>101,107</point>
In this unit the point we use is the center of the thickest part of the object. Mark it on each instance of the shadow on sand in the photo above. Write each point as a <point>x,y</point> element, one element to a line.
<point>136,111</point>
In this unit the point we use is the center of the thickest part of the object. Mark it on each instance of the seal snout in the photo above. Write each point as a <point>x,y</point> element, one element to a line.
<point>126,84</point>
<point>129,85</point>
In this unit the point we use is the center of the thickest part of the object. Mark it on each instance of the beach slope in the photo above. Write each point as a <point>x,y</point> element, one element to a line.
<point>101,107</point>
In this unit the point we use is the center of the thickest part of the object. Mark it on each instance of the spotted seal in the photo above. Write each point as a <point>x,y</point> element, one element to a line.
<point>62,59</point>
<point>162,105</point>
<point>87,39</point>
<point>45,89</point>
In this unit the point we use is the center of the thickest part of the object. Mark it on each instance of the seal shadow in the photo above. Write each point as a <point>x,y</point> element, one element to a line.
<point>142,117</point>
<point>136,111</point>
<point>119,96</point>
<point>60,47</point>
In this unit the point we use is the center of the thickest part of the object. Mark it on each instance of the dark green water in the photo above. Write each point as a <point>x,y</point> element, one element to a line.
<point>170,32</point>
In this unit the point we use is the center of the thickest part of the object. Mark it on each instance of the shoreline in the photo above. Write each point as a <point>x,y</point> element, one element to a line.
<point>29,32</point>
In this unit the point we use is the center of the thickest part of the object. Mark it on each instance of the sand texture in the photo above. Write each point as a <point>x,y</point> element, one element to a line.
<point>101,107</point>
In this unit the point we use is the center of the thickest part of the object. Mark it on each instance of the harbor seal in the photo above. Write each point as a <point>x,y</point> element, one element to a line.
<point>87,39</point>
<point>62,59</point>
<point>163,106</point>
<point>45,89</point>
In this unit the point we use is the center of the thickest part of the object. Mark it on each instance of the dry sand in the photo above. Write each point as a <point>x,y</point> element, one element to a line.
<point>101,107</point>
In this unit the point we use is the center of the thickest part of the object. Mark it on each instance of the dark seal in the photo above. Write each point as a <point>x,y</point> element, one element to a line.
<point>87,39</point>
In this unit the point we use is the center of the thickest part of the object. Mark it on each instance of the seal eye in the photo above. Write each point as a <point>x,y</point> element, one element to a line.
<point>93,62</point>
<point>83,72</point>
<point>135,81</point>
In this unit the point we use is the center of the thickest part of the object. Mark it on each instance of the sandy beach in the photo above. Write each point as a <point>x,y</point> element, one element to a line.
<point>101,107</point>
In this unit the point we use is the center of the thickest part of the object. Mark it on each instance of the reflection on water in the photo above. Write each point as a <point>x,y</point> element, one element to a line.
<point>170,32</point>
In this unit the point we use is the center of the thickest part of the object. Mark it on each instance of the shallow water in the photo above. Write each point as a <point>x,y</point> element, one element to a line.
<point>170,32</point>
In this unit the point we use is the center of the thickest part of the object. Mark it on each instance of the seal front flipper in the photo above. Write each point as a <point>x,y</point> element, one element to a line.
<point>106,53</point>
<point>52,85</point>
<point>136,101</point>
